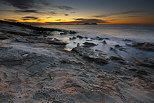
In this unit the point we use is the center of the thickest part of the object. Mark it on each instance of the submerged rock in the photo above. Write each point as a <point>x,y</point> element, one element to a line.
<point>143,46</point>
<point>90,55</point>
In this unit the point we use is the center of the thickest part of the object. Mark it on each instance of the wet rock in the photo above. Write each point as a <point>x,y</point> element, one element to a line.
<point>88,44</point>
<point>12,56</point>
<point>104,42</point>
<point>55,42</point>
<point>113,49</point>
<point>90,55</point>
<point>73,38</point>
<point>47,94</point>
<point>145,63</point>
<point>143,46</point>
<point>93,97</point>
<point>98,38</point>
<point>3,37</point>
<point>116,58</point>
<point>20,39</point>
<point>138,70</point>
<point>117,46</point>
<point>72,32</point>
<point>86,37</point>
<point>63,33</point>
<point>80,37</point>
<point>127,40</point>
<point>57,102</point>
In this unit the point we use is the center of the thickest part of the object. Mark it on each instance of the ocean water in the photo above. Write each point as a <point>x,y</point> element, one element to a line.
<point>113,35</point>
<point>142,33</point>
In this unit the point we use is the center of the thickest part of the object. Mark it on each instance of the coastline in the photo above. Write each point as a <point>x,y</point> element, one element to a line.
<point>61,66</point>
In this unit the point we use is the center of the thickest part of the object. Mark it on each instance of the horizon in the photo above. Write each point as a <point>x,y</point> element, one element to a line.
<point>78,12</point>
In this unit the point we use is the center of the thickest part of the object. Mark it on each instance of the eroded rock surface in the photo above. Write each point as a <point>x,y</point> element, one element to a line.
<point>34,69</point>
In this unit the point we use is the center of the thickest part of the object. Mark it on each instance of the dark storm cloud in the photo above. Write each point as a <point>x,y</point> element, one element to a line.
<point>120,13</point>
<point>80,19</point>
<point>28,11</point>
<point>29,18</point>
<point>25,5</point>
<point>21,4</point>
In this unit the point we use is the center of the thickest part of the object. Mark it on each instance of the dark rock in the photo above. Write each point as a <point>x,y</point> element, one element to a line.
<point>86,37</point>
<point>104,42</point>
<point>72,32</point>
<point>20,39</point>
<point>57,102</point>
<point>111,48</point>
<point>88,44</point>
<point>10,55</point>
<point>139,71</point>
<point>98,38</point>
<point>106,38</point>
<point>3,37</point>
<point>63,33</point>
<point>80,37</point>
<point>55,42</point>
<point>47,94</point>
<point>6,98</point>
<point>90,55</point>
<point>117,46</point>
<point>145,63</point>
<point>143,46</point>
<point>127,40</point>
<point>73,38</point>
<point>116,58</point>
<point>93,97</point>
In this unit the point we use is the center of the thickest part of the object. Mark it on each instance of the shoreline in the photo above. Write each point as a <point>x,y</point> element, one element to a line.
<point>36,66</point>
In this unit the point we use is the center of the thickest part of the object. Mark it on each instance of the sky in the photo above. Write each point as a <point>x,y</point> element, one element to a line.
<point>78,11</point>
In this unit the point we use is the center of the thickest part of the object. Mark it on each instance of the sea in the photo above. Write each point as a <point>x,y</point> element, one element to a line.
<point>141,33</point>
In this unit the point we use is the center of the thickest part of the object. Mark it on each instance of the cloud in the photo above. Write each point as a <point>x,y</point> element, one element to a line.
<point>58,20</point>
<point>21,4</point>
<point>30,18</point>
<point>65,7</point>
<point>80,21</point>
<point>31,6</point>
<point>120,13</point>
<point>53,13</point>
<point>27,11</point>
<point>12,20</point>
<point>66,14</point>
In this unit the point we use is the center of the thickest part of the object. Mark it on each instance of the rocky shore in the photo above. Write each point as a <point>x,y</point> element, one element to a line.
<point>42,65</point>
